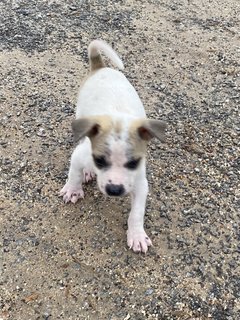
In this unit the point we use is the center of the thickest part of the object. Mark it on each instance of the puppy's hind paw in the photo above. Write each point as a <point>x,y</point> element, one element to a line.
<point>138,241</point>
<point>71,194</point>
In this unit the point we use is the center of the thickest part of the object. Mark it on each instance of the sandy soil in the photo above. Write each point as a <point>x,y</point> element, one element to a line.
<point>71,261</point>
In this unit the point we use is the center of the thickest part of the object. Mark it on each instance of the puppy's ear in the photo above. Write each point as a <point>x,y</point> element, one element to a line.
<point>152,128</point>
<point>84,127</point>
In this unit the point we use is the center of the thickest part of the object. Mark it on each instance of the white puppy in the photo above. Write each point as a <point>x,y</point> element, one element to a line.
<point>113,132</point>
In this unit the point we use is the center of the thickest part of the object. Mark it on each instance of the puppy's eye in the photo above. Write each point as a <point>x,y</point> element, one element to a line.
<point>100,162</point>
<point>132,164</point>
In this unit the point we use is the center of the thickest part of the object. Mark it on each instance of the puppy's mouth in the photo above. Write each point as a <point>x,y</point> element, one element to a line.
<point>114,190</point>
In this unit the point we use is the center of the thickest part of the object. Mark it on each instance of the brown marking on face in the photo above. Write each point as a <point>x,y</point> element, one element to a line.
<point>117,129</point>
<point>105,134</point>
<point>108,127</point>
<point>98,129</point>
<point>138,146</point>
<point>99,141</point>
<point>135,146</point>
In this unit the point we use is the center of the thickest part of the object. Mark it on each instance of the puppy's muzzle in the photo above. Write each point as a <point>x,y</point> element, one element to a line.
<point>116,190</point>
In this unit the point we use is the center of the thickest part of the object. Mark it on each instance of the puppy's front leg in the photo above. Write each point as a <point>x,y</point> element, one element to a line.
<point>136,236</point>
<point>81,170</point>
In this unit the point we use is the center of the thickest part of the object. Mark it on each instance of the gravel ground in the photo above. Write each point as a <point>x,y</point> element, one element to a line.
<point>71,261</point>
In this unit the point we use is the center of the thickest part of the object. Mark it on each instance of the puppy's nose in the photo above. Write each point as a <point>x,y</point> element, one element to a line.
<point>115,189</point>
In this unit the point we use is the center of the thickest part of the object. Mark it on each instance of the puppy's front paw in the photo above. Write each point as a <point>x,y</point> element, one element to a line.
<point>70,193</point>
<point>88,175</point>
<point>138,240</point>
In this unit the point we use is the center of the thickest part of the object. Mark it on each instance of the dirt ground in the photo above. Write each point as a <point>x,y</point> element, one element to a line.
<point>71,261</point>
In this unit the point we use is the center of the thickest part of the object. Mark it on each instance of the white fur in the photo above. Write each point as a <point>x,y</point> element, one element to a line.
<point>117,173</point>
<point>107,91</point>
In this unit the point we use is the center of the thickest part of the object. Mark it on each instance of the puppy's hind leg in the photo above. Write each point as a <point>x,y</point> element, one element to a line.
<point>81,170</point>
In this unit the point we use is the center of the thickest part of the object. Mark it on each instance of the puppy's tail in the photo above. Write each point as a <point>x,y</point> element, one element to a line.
<point>95,57</point>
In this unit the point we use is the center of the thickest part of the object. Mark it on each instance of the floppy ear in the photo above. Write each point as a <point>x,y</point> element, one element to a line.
<point>152,128</point>
<point>84,127</point>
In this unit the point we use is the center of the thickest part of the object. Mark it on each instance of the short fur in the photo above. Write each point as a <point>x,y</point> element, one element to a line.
<point>113,131</point>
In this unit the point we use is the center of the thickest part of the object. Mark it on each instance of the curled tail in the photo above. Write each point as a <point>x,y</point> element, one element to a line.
<point>95,57</point>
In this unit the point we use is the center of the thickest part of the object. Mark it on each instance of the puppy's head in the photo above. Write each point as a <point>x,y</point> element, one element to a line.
<point>118,148</point>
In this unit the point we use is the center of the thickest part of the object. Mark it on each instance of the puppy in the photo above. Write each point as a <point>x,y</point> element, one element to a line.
<point>113,132</point>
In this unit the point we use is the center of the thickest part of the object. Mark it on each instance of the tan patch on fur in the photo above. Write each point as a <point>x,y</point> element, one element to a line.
<point>99,142</point>
<point>107,127</point>
<point>118,127</point>
<point>138,145</point>
<point>96,62</point>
